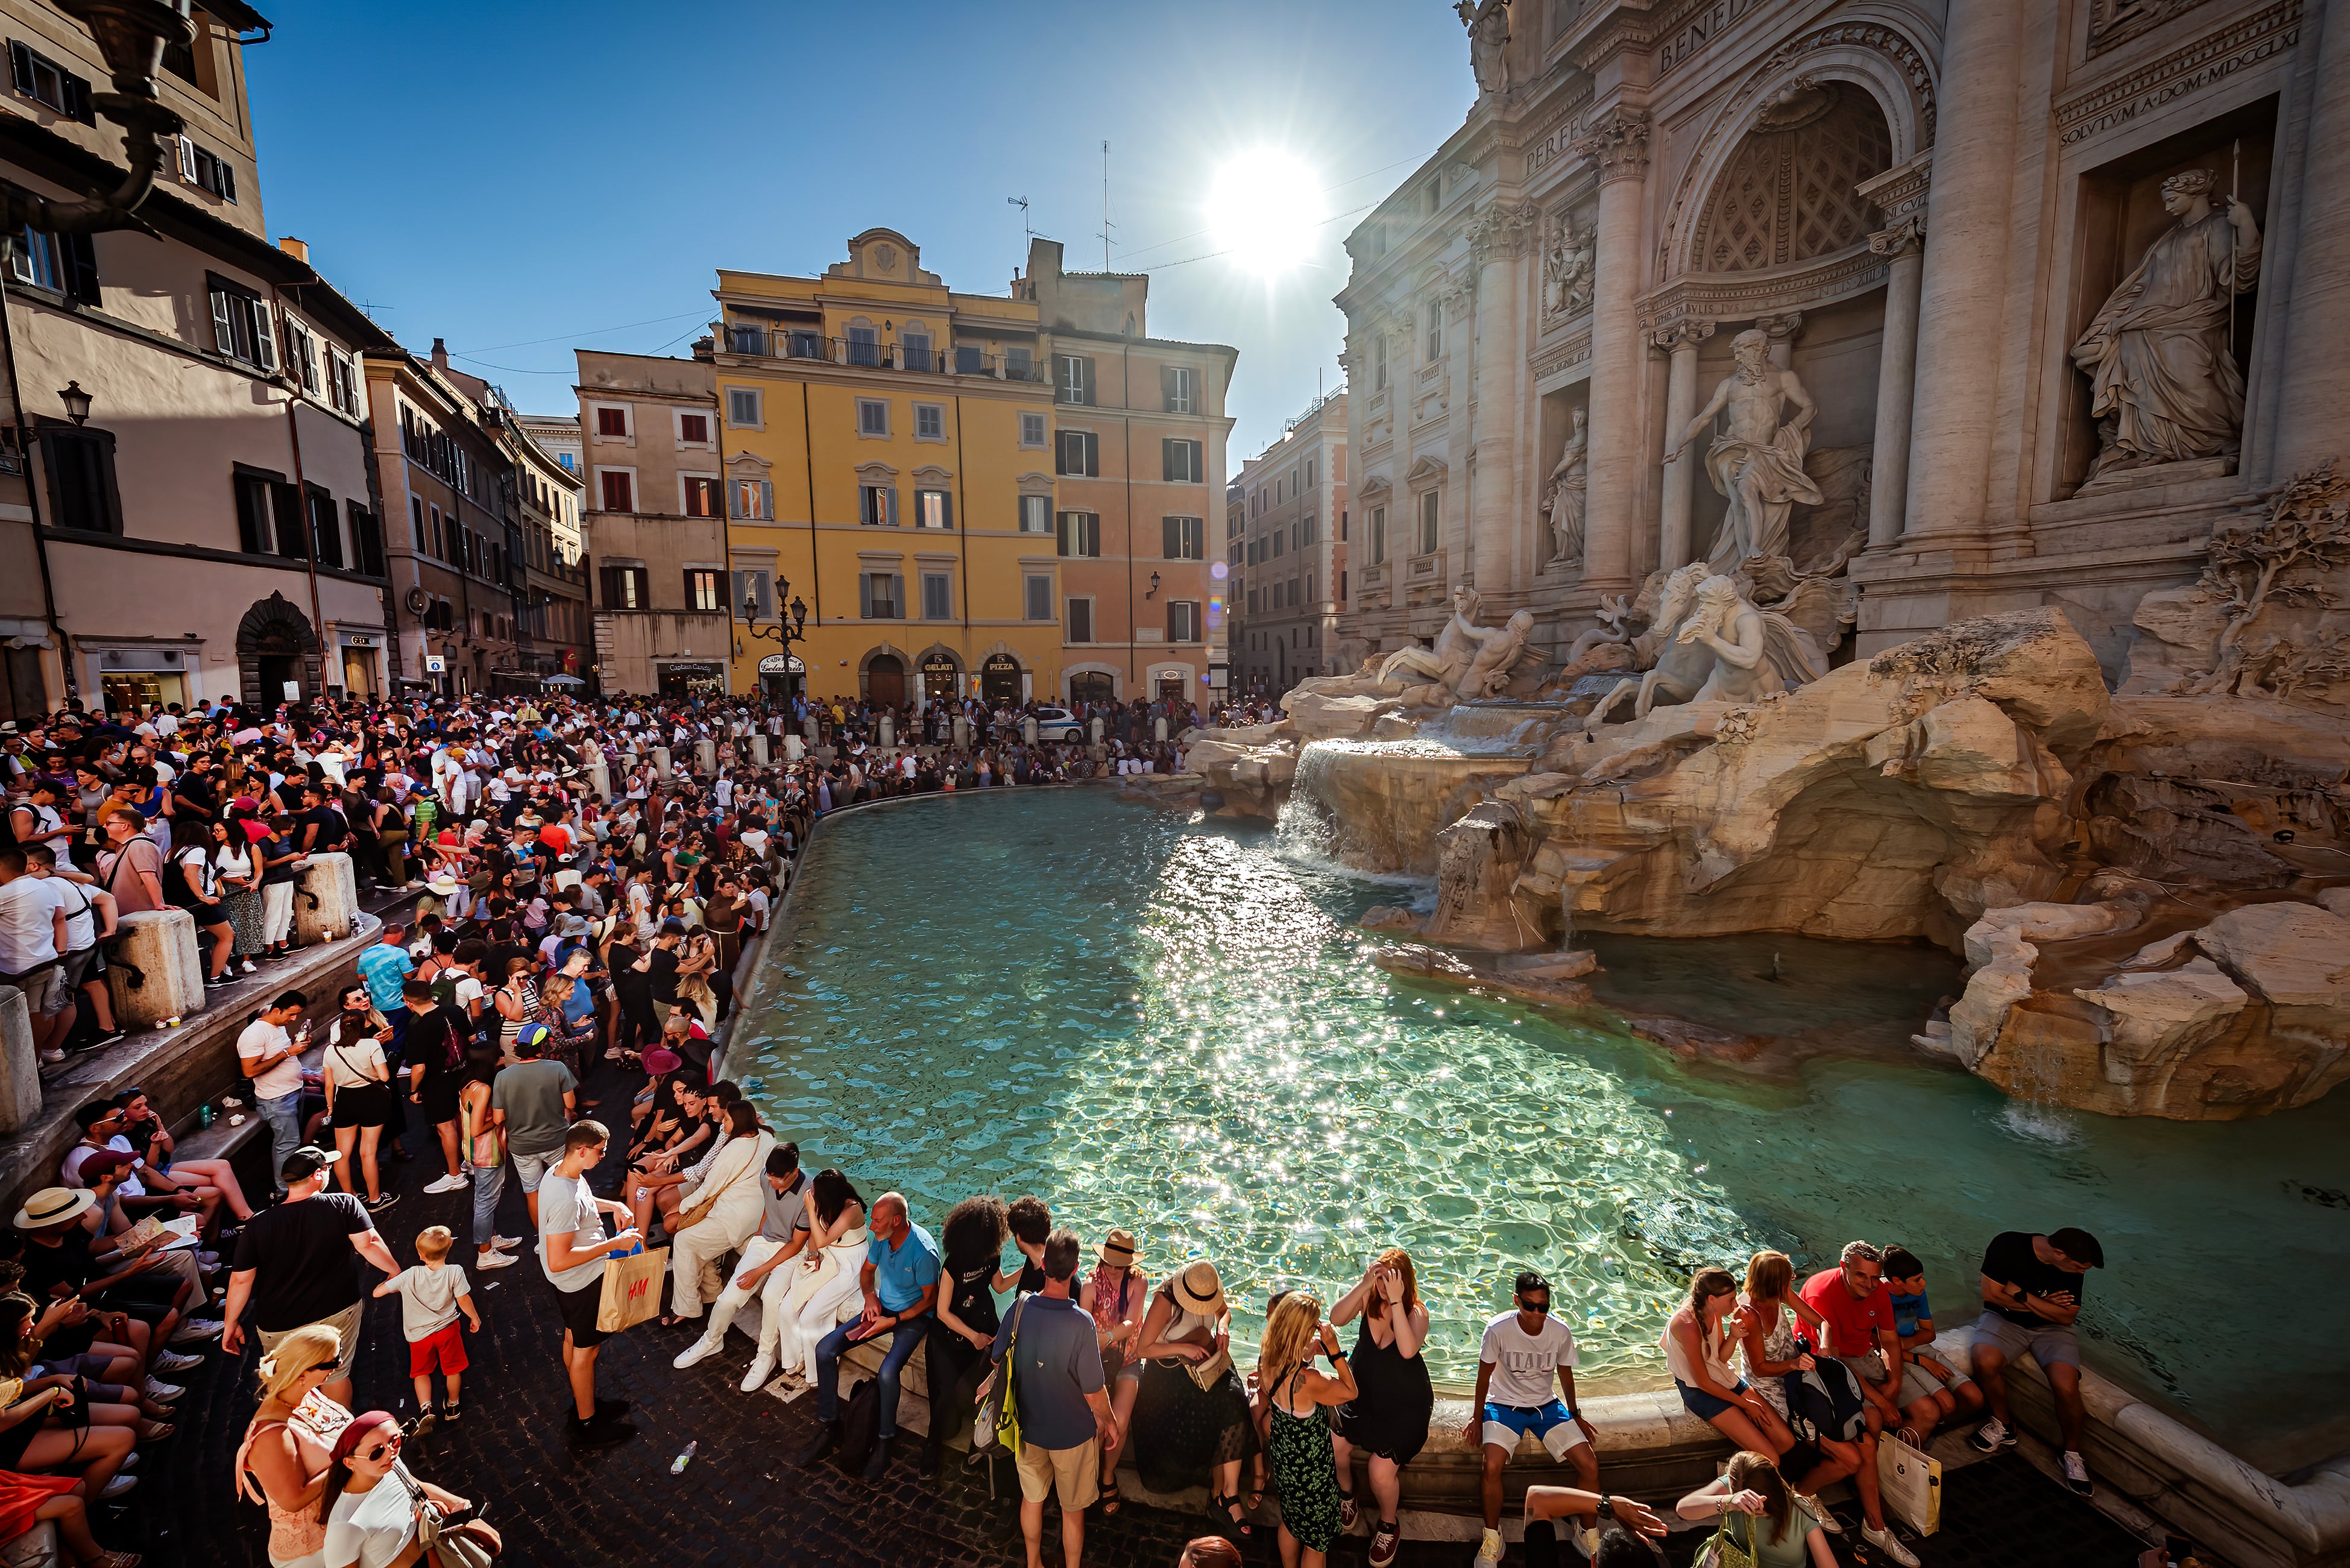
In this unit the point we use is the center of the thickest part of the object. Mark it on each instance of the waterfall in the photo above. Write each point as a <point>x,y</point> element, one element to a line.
<point>2034,1110</point>
<point>1307,829</point>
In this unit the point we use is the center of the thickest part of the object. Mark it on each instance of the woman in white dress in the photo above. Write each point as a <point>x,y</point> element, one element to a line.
<point>829,1266</point>
<point>735,1178</point>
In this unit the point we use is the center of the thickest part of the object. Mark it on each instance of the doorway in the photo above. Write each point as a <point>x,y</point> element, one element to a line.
<point>1092,686</point>
<point>885,679</point>
<point>999,681</point>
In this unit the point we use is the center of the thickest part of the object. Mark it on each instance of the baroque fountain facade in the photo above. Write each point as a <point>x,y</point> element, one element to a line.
<point>1866,470</point>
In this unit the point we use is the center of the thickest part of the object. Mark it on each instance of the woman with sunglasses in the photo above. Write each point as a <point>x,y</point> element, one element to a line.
<point>370,1502</point>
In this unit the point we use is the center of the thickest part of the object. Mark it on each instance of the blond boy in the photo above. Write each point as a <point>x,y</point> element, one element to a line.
<point>431,1296</point>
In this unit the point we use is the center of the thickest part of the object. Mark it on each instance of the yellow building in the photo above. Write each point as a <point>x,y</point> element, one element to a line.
<point>885,449</point>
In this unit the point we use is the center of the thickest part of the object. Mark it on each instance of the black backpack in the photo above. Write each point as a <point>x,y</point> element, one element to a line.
<point>860,1425</point>
<point>1826,1402</point>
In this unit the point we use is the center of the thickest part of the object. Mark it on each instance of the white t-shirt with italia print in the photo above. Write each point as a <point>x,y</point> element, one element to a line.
<point>1525,1366</point>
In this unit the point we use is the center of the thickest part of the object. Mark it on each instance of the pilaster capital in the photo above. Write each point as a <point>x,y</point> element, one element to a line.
<point>1616,144</point>
<point>1905,236</point>
<point>1501,230</point>
<point>1780,328</point>
<point>1686,332</point>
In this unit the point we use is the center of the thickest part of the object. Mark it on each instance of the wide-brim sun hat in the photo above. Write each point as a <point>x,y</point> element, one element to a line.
<point>1117,1251</point>
<point>441,888</point>
<point>53,1206</point>
<point>1199,1290</point>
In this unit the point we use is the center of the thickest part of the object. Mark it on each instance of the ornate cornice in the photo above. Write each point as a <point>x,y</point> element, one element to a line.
<point>1576,351</point>
<point>1750,296</point>
<point>1616,144</point>
<point>1501,230</point>
<point>1608,29</point>
<point>2111,23</point>
<point>2214,56</point>
<point>1900,190</point>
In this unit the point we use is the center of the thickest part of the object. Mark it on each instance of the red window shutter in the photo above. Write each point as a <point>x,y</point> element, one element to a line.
<point>617,494</point>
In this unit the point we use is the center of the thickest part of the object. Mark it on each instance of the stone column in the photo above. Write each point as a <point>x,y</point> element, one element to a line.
<point>1680,341</point>
<point>1897,377</point>
<point>1617,144</point>
<point>161,945</point>
<point>1963,296</point>
<point>2315,385</point>
<point>1454,533</point>
<point>1497,244</point>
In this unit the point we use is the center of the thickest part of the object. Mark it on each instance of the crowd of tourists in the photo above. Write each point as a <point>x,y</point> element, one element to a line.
<point>553,1014</point>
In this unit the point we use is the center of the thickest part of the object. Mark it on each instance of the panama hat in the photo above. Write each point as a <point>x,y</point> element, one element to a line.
<point>1197,1290</point>
<point>441,888</point>
<point>1118,1250</point>
<point>53,1206</point>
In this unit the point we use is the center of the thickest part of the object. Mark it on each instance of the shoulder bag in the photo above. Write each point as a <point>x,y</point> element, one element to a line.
<point>701,1210</point>
<point>1724,1551</point>
<point>469,1544</point>
<point>998,1426</point>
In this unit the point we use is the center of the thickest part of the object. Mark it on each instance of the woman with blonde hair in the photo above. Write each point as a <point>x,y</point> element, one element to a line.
<point>1388,1420</point>
<point>1297,1436</point>
<point>289,1446</point>
<point>1761,1515</point>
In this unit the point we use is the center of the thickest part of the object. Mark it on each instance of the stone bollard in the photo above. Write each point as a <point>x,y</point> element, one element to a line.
<point>326,879</point>
<point>1097,729</point>
<point>660,762</point>
<point>705,756</point>
<point>161,946</point>
<point>962,733</point>
<point>759,750</point>
<point>599,778</point>
<point>794,748</point>
<point>20,1069</point>
<point>1028,729</point>
<point>888,731</point>
<point>1158,728</point>
<point>807,729</point>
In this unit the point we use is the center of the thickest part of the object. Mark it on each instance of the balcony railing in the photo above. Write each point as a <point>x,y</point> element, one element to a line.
<point>963,359</point>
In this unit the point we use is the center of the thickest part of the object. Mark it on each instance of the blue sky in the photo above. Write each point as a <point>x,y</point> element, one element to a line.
<point>522,179</point>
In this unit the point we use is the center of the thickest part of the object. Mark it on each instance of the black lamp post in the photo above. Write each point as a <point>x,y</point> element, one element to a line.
<point>788,629</point>
<point>77,402</point>
<point>132,34</point>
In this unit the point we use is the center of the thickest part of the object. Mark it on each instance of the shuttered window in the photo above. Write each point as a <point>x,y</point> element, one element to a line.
<point>242,326</point>
<point>619,490</point>
<point>881,596</point>
<point>876,506</point>
<point>1081,533</point>
<point>1073,379</point>
<point>1183,620</point>
<point>1176,385</point>
<point>1183,538</point>
<point>1040,596</point>
<point>1036,514</point>
<point>1079,621</point>
<point>1079,454</point>
<point>1181,461</point>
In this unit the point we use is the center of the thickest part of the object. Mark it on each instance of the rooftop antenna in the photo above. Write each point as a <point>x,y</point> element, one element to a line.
<point>1026,233</point>
<point>1107,224</point>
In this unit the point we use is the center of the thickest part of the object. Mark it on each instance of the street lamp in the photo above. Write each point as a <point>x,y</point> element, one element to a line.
<point>132,36</point>
<point>77,402</point>
<point>1154,587</point>
<point>788,630</point>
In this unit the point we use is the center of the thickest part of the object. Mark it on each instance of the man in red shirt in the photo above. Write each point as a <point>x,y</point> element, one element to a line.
<point>556,835</point>
<point>1853,1297</point>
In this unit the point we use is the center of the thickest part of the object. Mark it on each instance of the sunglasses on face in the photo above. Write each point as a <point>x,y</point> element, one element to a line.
<point>1542,1306</point>
<point>390,1445</point>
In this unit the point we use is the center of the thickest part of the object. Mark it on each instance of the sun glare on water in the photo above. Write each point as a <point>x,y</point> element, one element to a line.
<point>1265,210</point>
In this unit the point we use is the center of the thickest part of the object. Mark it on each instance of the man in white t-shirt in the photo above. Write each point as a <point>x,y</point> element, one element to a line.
<point>1523,1350</point>
<point>33,940</point>
<point>272,1059</point>
<point>572,1250</point>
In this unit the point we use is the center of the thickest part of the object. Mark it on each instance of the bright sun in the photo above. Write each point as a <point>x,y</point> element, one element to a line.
<point>1265,210</point>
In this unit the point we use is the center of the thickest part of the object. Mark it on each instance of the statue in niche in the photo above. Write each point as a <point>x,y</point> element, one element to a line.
<point>1756,462</point>
<point>1488,22</point>
<point>2164,386</point>
<point>1562,500</point>
<point>1569,266</point>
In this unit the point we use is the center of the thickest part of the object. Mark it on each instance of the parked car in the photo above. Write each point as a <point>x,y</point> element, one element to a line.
<point>1060,725</point>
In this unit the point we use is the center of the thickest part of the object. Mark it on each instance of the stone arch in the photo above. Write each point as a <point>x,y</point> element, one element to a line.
<point>890,667</point>
<point>1876,57</point>
<point>275,643</point>
<point>1789,192</point>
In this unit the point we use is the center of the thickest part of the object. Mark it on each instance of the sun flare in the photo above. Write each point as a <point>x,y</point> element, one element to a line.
<point>1264,209</point>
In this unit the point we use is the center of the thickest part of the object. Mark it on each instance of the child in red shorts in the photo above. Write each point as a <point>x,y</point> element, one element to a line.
<point>430,1295</point>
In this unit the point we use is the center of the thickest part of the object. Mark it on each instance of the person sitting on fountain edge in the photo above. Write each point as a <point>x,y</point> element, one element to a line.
<point>900,1282</point>
<point>1934,1381</point>
<point>1523,1350</point>
<point>2032,1298</point>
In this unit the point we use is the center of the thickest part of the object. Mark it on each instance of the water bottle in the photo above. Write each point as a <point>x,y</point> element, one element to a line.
<point>205,1116</point>
<point>677,1466</point>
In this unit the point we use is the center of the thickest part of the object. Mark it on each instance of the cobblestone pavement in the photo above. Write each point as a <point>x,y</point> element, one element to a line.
<point>740,1500</point>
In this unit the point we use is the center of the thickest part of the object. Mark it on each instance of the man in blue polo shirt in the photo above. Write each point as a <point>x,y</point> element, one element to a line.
<point>900,1282</point>
<point>381,969</point>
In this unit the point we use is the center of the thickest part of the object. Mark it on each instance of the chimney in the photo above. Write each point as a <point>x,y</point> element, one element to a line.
<point>298,249</point>
<point>439,355</point>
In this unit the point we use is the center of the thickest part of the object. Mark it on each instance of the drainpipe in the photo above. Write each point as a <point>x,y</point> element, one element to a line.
<point>302,504</point>
<point>816,554</point>
<point>1133,624</point>
<point>33,491</point>
<point>962,556</point>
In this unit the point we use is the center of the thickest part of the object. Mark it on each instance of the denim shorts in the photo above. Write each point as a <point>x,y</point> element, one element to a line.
<point>1705,1405</point>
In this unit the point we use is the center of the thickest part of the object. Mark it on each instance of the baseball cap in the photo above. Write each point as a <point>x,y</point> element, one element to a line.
<point>307,1161</point>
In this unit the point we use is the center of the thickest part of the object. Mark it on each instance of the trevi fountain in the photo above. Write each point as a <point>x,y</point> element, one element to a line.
<point>1868,601</point>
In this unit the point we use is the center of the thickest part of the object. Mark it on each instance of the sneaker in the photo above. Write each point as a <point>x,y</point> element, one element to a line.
<point>763,1369</point>
<point>494,1260</point>
<point>878,1465</point>
<point>162,1393</point>
<point>377,1205</point>
<point>505,1244</point>
<point>1384,1542</point>
<point>53,1056</point>
<point>173,1361</point>
<point>424,1425</point>
<point>2076,1473</point>
<point>445,1184</point>
<point>196,1331</point>
<point>219,982</point>
<point>1490,1549</point>
<point>1886,1542</point>
<point>208,1261</point>
<point>251,967</point>
<point>116,1487</point>
<point>701,1349</point>
<point>450,1412</point>
<point>827,1441</point>
<point>1993,1435</point>
<point>129,1463</point>
<point>600,1433</point>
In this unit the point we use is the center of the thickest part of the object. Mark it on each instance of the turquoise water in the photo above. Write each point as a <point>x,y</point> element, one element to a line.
<point>1165,1024</point>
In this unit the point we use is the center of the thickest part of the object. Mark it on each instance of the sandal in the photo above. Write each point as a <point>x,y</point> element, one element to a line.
<point>116,1560</point>
<point>1111,1501</point>
<point>1217,1502</point>
<point>153,1432</point>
